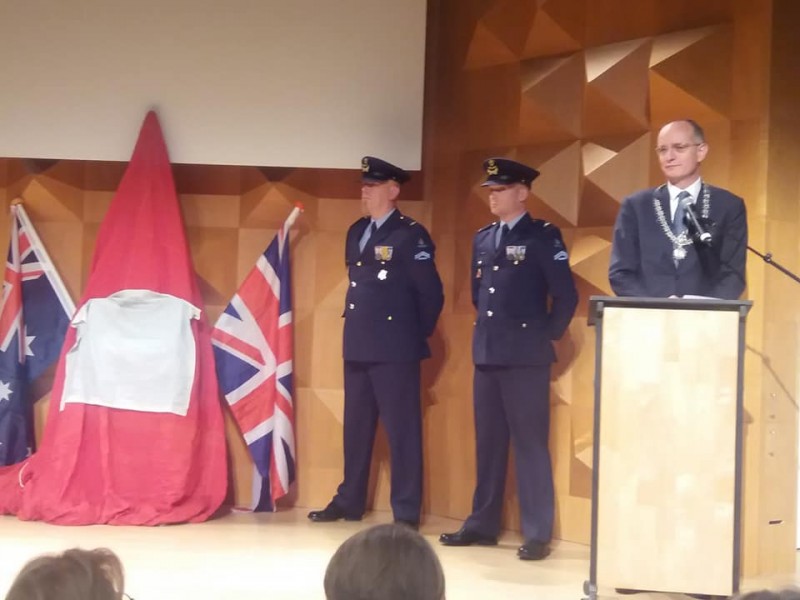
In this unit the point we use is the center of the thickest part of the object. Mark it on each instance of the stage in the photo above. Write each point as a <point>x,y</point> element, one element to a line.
<point>283,555</point>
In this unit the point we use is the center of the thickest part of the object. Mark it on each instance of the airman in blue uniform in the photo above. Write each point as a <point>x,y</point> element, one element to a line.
<point>393,301</point>
<point>525,297</point>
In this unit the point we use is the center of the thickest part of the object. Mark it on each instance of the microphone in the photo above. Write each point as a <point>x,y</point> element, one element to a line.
<point>694,223</point>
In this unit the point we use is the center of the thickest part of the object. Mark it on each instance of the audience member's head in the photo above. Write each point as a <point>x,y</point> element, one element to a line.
<point>789,593</point>
<point>385,562</point>
<point>72,575</point>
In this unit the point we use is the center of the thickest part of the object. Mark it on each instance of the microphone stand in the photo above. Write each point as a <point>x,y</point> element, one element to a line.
<point>768,259</point>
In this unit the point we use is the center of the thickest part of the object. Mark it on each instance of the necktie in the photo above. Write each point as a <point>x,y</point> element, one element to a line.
<point>500,240</point>
<point>370,231</point>
<point>678,226</point>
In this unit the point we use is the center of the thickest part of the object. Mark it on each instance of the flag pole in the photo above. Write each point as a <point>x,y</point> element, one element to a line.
<point>298,208</point>
<point>48,266</point>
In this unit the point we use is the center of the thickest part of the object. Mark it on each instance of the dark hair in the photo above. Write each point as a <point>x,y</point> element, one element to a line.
<point>72,575</point>
<point>697,131</point>
<point>385,562</point>
<point>789,593</point>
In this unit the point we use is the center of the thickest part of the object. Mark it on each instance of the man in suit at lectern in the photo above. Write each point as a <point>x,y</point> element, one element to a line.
<point>684,237</point>
<point>525,296</point>
<point>393,301</point>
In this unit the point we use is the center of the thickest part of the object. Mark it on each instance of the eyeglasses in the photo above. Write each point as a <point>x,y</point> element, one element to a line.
<point>126,596</point>
<point>678,148</point>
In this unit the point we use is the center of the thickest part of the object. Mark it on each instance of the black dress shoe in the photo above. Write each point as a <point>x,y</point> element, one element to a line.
<point>410,524</point>
<point>467,537</point>
<point>533,550</point>
<point>330,513</point>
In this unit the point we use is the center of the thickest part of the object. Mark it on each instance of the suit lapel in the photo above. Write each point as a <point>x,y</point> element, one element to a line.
<point>352,244</point>
<point>384,231</point>
<point>662,195</point>
<point>517,232</point>
<point>500,250</point>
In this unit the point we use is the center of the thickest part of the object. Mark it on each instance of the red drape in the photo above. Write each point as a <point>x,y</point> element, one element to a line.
<point>103,465</point>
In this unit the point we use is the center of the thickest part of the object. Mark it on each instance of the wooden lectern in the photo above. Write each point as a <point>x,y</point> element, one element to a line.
<point>666,483</point>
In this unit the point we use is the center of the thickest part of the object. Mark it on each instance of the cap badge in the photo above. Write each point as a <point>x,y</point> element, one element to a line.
<point>491,167</point>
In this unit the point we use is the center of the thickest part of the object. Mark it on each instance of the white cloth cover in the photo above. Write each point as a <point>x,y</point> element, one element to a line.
<point>133,350</point>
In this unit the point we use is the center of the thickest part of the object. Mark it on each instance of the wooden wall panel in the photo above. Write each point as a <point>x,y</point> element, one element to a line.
<point>575,90</point>
<point>605,84</point>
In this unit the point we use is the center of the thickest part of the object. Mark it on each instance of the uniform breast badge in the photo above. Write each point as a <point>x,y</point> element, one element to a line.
<point>382,274</point>
<point>384,253</point>
<point>515,253</point>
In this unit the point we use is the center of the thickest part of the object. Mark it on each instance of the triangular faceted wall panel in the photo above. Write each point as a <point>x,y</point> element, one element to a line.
<point>594,81</point>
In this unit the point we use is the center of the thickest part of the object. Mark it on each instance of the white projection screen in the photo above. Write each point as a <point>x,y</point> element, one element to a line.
<point>292,83</point>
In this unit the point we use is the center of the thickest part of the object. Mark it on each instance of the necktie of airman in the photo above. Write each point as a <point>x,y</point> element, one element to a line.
<point>501,239</point>
<point>373,227</point>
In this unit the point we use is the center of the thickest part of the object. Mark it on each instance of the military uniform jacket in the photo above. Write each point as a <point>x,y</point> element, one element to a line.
<point>394,295</point>
<point>641,255</point>
<point>524,294</point>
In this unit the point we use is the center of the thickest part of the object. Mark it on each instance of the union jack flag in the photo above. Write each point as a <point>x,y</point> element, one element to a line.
<point>253,350</point>
<point>34,317</point>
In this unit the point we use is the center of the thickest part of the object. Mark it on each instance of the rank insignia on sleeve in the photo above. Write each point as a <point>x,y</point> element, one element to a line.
<point>562,255</point>
<point>515,253</point>
<point>422,255</point>
<point>384,252</point>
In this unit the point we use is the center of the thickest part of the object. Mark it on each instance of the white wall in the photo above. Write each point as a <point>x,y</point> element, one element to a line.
<point>313,83</point>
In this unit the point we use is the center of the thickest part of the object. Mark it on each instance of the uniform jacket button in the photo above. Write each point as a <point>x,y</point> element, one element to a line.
<point>489,313</point>
<point>358,264</point>
<point>495,268</point>
<point>389,318</point>
<point>524,325</point>
<point>491,290</point>
<point>352,306</point>
<point>352,284</point>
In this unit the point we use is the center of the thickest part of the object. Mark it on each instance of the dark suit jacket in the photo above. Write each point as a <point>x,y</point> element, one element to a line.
<point>512,287</point>
<point>641,255</point>
<point>394,296</point>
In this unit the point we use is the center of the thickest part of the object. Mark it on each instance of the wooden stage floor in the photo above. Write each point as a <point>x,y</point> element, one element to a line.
<point>283,555</point>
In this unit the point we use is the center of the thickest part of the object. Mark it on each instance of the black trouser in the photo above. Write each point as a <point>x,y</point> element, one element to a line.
<point>390,391</point>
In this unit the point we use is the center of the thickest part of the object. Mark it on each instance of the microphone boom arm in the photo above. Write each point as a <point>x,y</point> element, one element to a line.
<point>768,259</point>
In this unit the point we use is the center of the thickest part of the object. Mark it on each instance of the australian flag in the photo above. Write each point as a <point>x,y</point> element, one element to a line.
<point>36,310</point>
<point>253,348</point>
